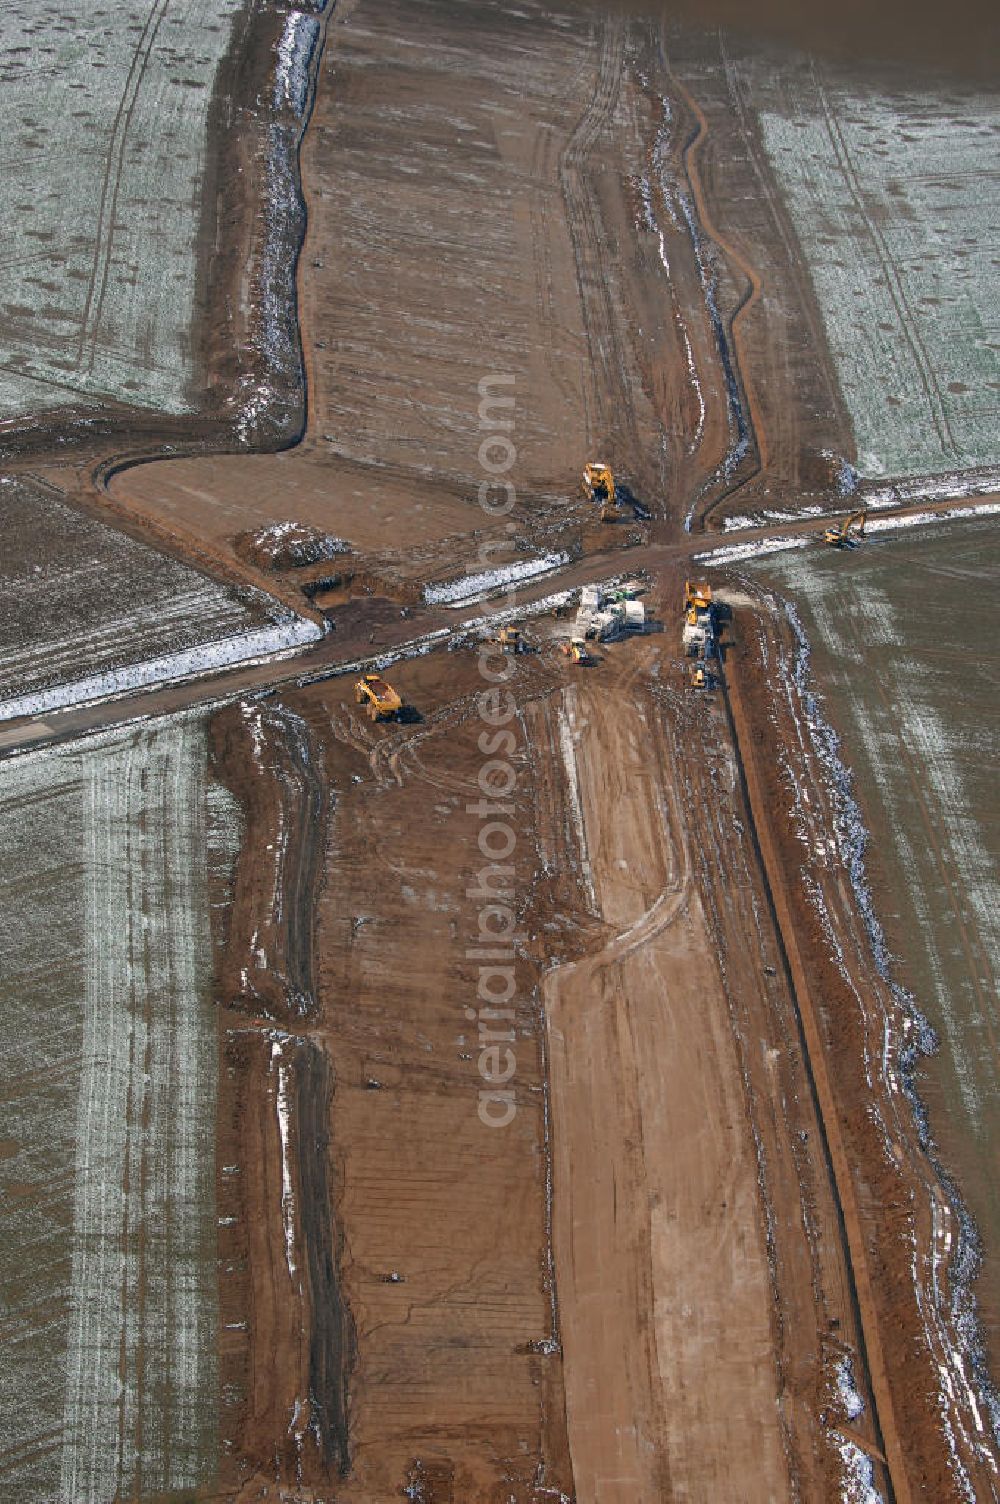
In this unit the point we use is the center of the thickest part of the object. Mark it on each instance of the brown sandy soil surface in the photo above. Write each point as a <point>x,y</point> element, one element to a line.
<point>691,1302</point>
<point>659,1238</point>
<point>500,192</point>
<point>705,1298</point>
<point>436,1224</point>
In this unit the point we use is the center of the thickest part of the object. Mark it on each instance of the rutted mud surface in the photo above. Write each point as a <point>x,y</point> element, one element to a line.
<point>269,757</point>
<point>288,1332</point>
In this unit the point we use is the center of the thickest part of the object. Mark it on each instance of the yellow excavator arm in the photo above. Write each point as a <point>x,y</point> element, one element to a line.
<point>838,536</point>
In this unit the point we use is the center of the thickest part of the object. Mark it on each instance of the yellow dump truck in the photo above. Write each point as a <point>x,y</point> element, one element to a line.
<point>382,700</point>
<point>599,485</point>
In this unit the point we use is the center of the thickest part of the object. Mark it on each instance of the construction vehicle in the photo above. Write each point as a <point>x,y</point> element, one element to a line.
<point>698,675</point>
<point>598,481</point>
<point>697,596</point>
<point>840,537</point>
<point>509,639</point>
<point>576,650</point>
<point>382,700</point>
<point>627,592</point>
<point>599,485</point>
<point>698,635</point>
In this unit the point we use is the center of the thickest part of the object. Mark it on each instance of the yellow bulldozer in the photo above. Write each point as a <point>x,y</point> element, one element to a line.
<point>698,675</point>
<point>509,639</point>
<point>697,596</point>
<point>599,486</point>
<point>382,700</point>
<point>840,536</point>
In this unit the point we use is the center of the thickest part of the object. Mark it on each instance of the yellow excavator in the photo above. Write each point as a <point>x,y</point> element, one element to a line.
<point>698,676</point>
<point>599,486</point>
<point>840,537</point>
<point>382,700</point>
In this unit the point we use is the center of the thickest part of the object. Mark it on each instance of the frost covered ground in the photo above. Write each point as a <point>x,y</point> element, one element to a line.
<point>108,1067</point>
<point>87,612</point>
<point>904,650</point>
<point>103,114</point>
<point>893,198</point>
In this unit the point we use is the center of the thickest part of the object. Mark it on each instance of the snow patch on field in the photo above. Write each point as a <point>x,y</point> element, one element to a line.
<point>108,838</point>
<point>736,522</point>
<point>947,1304</point>
<point>889,198</point>
<point>206,658</point>
<point>100,215</point>
<point>924,519</point>
<point>929,488</point>
<point>78,594</point>
<point>859,1474</point>
<point>734,553</point>
<point>295,50</point>
<point>476,587</point>
<point>287,1194</point>
<point>848,1390</point>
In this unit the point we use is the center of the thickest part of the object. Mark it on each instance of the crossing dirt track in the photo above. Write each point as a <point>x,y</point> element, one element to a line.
<point>553,1157</point>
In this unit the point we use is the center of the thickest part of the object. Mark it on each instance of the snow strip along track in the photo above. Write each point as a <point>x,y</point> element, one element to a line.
<point>116,1039</point>
<point>83,594</point>
<point>170,668</point>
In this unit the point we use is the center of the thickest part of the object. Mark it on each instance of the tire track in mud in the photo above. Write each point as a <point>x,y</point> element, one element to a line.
<point>893,281</point>
<point>610,395</point>
<point>978,964</point>
<point>104,234</point>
